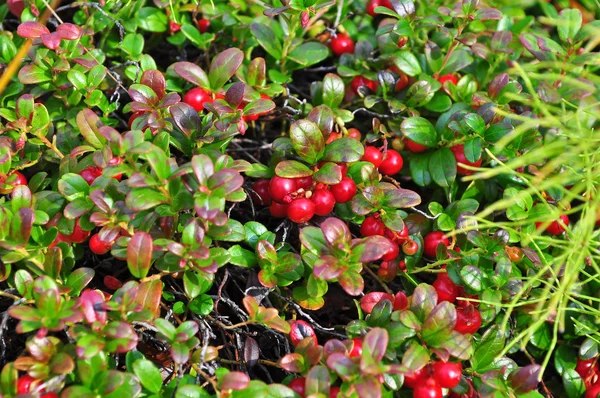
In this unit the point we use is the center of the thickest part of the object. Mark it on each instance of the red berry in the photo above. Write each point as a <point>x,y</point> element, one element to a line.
<point>332,137</point>
<point>448,78</point>
<point>391,164</point>
<point>324,202</point>
<point>429,389</point>
<point>203,25</point>
<point>372,226</point>
<point>377,3</point>
<point>387,270</point>
<point>78,235</point>
<point>59,238</point>
<point>402,82</point>
<point>196,98</point>
<point>99,247</point>
<point>447,374</point>
<point>90,173</point>
<point>344,191</point>
<point>432,241</point>
<point>593,391</point>
<point>459,155</point>
<point>301,210</point>
<point>341,44</point>
<point>299,386</point>
<point>391,254</point>
<point>356,347</point>
<point>415,147</point>
<point>280,187</point>
<point>373,155</point>
<point>586,367</point>
<point>354,133</point>
<point>446,289</point>
<point>16,7</point>
<point>25,384</point>
<point>555,228</point>
<point>410,247</point>
<point>260,193</point>
<point>417,377</point>
<point>278,210</point>
<point>358,81</point>
<point>334,392</point>
<point>19,180</point>
<point>468,320</point>
<point>301,330</point>
<point>174,27</point>
<point>49,395</point>
<point>304,182</point>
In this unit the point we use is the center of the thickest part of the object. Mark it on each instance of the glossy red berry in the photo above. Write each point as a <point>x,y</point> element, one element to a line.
<point>299,386</point>
<point>174,27</point>
<point>373,155</point>
<point>354,133</point>
<point>99,247</point>
<point>447,374</point>
<point>304,182</point>
<point>410,247</point>
<point>357,344</point>
<point>260,193</point>
<point>344,191</point>
<point>90,173</point>
<point>203,25</point>
<point>428,389</point>
<point>301,330</point>
<point>280,188</point>
<point>334,392</point>
<point>359,81</point>
<point>278,210</point>
<point>301,210</point>
<point>49,395</point>
<point>341,44</point>
<point>555,228</point>
<point>196,98</point>
<point>445,288</point>
<point>372,226</point>
<point>414,147</point>
<point>19,178</point>
<point>373,4</point>
<point>59,238</point>
<point>459,155</point>
<point>78,235</point>
<point>593,391</point>
<point>25,384</point>
<point>391,164</point>
<point>432,241</point>
<point>411,380</point>
<point>324,202</point>
<point>402,82</point>
<point>448,78</point>
<point>468,320</point>
<point>586,367</point>
<point>391,254</point>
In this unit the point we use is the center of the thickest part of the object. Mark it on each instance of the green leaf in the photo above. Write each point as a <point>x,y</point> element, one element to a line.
<point>488,348</point>
<point>309,53</point>
<point>333,90</point>
<point>473,277</point>
<point>192,34</point>
<point>407,62</point>
<point>419,169</point>
<point>307,140</point>
<point>569,24</point>
<point>573,383</point>
<point>224,66</point>
<point>148,374</point>
<point>457,61</point>
<point>139,254</point>
<point>267,39</point>
<point>73,186</point>
<point>152,19</point>
<point>202,305</point>
<point>242,257</point>
<point>419,130</point>
<point>77,79</point>
<point>442,167</point>
<point>133,45</point>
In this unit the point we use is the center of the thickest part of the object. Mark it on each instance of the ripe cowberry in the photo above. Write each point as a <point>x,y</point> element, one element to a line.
<point>324,202</point>
<point>459,155</point>
<point>280,187</point>
<point>78,235</point>
<point>586,367</point>
<point>448,78</point>
<point>391,254</point>
<point>18,179</point>
<point>334,392</point>
<point>391,164</point>
<point>593,391</point>
<point>196,98</point>
<point>341,44</point>
<point>98,246</point>
<point>468,320</point>
<point>410,247</point>
<point>447,374</point>
<point>354,133</point>
<point>428,389</point>
<point>25,384</point>
<point>372,226</point>
<point>356,347</point>
<point>299,330</point>
<point>260,193</point>
<point>359,81</point>
<point>304,182</point>
<point>373,4</point>
<point>278,210</point>
<point>411,380</point>
<point>445,288</point>
<point>299,386</point>
<point>415,147</point>
<point>555,228</point>
<point>90,173</point>
<point>301,210</point>
<point>203,25</point>
<point>432,241</point>
<point>402,82</point>
<point>344,191</point>
<point>373,155</point>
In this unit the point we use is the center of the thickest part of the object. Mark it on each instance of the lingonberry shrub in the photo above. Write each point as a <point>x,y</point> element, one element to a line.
<point>191,194</point>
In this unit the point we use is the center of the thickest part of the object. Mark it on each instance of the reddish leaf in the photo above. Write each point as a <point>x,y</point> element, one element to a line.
<point>336,232</point>
<point>375,343</point>
<point>155,80</point>
<point>31,30</point>
<point>51,40</point>
<point>525,379</point>
<point>148,296</point>
<point>293,363</point>
<point>369,300</point>
<point>192,73</point>
<point>234,381</point>
<point>139,254</point>
<point>69,31</point>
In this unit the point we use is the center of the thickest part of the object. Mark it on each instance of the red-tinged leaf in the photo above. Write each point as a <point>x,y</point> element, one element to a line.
<point>368,387</point>
<point>24,313</point>
<point>143,94</point>
<point>169,100</point>
<point>33,74</point>
<point>423,301</point>
<point>375,343</point>
<point>370,300</point>
<point>192,73</point>
<point>234,381</point>
<point>89,302</point>
<point>235,94</point>
<point>259,107</point>
<point>224,66</point>
<point>375,247</point>
<point>293,363</point>
<point>336,232</point>
<point>307,140</point>
<point>155,80</point>
<point>353,283</point>
<point>89,125</point>
<point>32,30</point>
<point>69,31</point>
<point>51,40</point>
<point>327,268</point>
<point>278,324</point>
<point>333,346</point>
<point>257,72</point>
<point>148,296</point>
<point>318,380</point>
<point>323,117</point>
<point>21,224</point>
<point>342,365</point>
<point>139,254</point>
<point>525,379</point>
<point>203,168</point>
<point>251,306</point>
<point>401,198</point>
<point>186,118</point>
<point>439,324</point>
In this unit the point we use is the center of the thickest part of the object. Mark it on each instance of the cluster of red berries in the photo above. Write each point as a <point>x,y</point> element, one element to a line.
<point>555,228</point>
<point>428,381</point>
<point>373,226</point>
<point>388,162</point>
<point>589,372</point>
<point>27,384</point>
<point>79,235</point>
<point>90,173</point>
<point>468,319</point>
<point>299,199</point>
<point>198,96</point>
